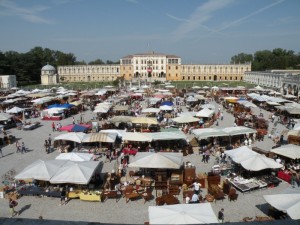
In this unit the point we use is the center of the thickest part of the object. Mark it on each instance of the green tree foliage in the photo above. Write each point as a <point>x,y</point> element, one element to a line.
<point>96,62</point>
<point>241,58</point>
<point>262,60</point>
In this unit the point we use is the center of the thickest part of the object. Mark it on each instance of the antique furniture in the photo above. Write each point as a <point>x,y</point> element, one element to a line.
<point>147,196</point>
<point>131,196</point>
<point>232,195</point>
<point>189,175</point>
<point>174,190</point>
<point>112,194</point>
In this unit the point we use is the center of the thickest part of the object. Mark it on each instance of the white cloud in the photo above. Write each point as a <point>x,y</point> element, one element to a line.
<point>197,18</point>
<point>30,14</point>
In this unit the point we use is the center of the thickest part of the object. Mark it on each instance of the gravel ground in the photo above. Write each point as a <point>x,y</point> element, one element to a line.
<point>134,212</point>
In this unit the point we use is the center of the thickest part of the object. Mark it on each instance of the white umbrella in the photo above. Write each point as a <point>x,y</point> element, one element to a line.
<point>100,137</point>
<point>191,99</point>
<point>205,87</point>
<point>240,154</point>
<point>259,162</point>
<point>288,201</point>
<point>205,113</point>
<point>5,116</point>
<point>136,136</point>
<point>169,86</point>
<point>196,87</point>
<point>201,213</point>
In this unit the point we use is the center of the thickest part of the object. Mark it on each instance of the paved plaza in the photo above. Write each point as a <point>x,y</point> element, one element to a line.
<point>134,212</point>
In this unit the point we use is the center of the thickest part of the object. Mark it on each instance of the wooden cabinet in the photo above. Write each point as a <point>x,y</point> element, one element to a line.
<point>189,175</point>
<point>161,180</point>
<point>176,178</point>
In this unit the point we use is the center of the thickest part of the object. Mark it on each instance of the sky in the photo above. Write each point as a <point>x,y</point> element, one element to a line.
<point>198,31</point>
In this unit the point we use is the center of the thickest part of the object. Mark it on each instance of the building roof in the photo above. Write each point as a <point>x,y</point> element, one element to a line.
<point>149,54</point>
<point>48,68</point>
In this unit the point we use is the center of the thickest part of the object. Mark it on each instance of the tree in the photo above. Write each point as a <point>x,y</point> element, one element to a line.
<point>96,62</point>
<point>241,58</point>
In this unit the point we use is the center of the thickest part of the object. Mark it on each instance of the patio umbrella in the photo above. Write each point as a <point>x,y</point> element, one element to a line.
<point>259,162</point>
<point>151,110</point>
<point>121,119</point>
<point>196,87</point>
<point>166,107</point>
<point>75,156</point>
<point>288,201</point>
<point>5,116</point>
<point>100,137</point>
<point>291,151</point>
<point>201,213</point>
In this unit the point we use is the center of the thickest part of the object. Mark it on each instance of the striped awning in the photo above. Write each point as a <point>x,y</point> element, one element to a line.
<point>100,137</point>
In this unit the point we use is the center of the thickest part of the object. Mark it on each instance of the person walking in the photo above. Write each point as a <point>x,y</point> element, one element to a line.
<point>1,152</point>
<point>197,186</point>
<point>18,146</point>
<point>49,140</point>
<point>12,204</point>
<point>53,126</point>
<point>46,146</point>
<point>221,215</point>
<point>23,148</point>
<point>63,194</point>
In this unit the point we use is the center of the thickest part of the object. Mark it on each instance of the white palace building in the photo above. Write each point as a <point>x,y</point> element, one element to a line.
<point>149,66</point>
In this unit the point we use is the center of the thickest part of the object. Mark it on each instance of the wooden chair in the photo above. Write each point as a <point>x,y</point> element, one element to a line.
<point>232,196</point>
<point>147,196</point>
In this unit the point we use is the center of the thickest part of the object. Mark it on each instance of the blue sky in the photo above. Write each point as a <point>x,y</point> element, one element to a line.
<point>199,31</point>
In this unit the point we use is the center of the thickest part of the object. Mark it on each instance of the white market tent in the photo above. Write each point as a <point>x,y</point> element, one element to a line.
<point>40,170</point>
<point>156,136</point>
<point>185,119</point>
<point>99,137</point>
<point>15,110</point>
<point>240,154</point>
<point>5,116</point>
<point>71,136</point>
<point>291,151</point>
<point>150,110</point>
<point>119,133</point>
<point>239,130</point>
<point>208,132</point>
<point>136,136</point>
<point>75,156</point>
<point>260,162</point>
<point>52,111</point>
<point>205,113</point>
<point>159,160</point>
<point>166,107</point>
<point>144,120</point>
<point>75,172</point>
<point>201,213</point>
<point>288,201</point>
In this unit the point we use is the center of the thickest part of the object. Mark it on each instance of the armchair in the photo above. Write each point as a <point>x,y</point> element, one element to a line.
<point>232,196</point>
<point>147,196</point>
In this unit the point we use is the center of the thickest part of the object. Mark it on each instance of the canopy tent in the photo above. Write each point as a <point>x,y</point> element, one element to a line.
<point>208,132</point>
<point>40,170</point>
<point>150,110</point>
<point>100,137</point>
<point>240,154</point>
<point>288,201</point>
<point>190,114</point>
<point>121,108</point>
<point>64,106</point>
<point>166,107</point>
<point>156,136</point>
<point>5,116</point>
<point>144,120</point>
<point>259,162</point>
<point>81,127</point>
<point>121,119</point>
<point>15,110</point>
<point>75,172</point>
<point>75,156</point>
<point>159,160</point>
<point>135,136</point>
<point>246,103</point>
<point>201,213</point>
<point>168,103</point>
<point>205,113</point>
<point>71,136</point>
<point>291,151</point>
<point>119,133</point>
<point>53,111</point>
<point>185,119</point>
<point>239,130</point>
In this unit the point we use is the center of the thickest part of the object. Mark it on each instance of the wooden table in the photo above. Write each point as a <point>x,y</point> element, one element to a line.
<point>130,196</point>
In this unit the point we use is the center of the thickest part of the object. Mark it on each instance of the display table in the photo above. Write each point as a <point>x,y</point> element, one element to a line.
<point>38,191</point>
<point>92,197</point>
<point>31,126</point>
<point>74,194</point>
<point>55,118</point>
<point>131,196</point>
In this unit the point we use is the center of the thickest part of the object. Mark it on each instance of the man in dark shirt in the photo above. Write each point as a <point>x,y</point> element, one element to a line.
<point>221,216</point>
